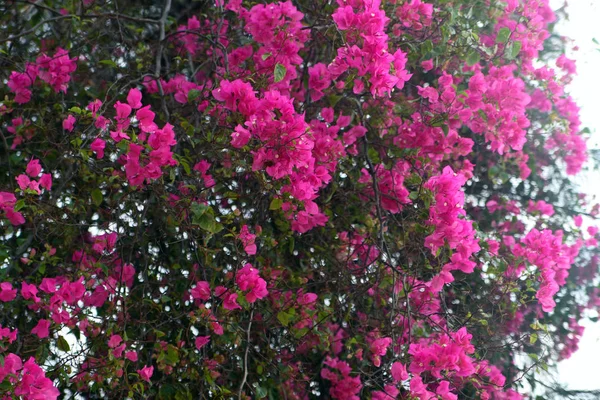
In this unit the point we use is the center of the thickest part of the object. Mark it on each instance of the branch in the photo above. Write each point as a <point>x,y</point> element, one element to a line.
<point>159,53</point>
<point>246,355</point>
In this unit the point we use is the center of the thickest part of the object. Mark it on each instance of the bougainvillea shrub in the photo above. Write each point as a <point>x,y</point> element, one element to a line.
<point>351,199</point>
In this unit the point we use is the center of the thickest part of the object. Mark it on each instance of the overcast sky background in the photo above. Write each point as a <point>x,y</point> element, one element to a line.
<point>581,370</point>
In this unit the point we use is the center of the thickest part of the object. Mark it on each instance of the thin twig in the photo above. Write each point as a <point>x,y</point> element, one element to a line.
<point>159,54</point>
<point>246,355</point>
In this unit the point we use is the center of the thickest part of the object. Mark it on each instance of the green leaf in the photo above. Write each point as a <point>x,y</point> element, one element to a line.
<point>193,95</point>
<point>110,63</point>
<point>513,50</point>
<point>172,355</point>
<point>19,204</point>
<point>533,338</point>
<point>186,166</point>
<point>280,72</point>
<point>426,47</point>
<point>284,318</point>
<point>208,223</point>
<point>198,211</point>
<point>260,392</point>
<point>503,35</point>
<point>333,100</point>
<point>97,197</point>
<point>276,204</point>
<point>62,344</point>
<point>473,58</point>
<point>300,333</point>
<point>167,392</point>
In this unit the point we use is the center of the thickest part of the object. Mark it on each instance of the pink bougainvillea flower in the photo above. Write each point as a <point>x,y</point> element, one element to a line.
<point>134,98</point>
<point>69,123</point>
<point>46,181</point>
<point>146,373</point>
<point>114,341</point>
<point>42,328</point>
<point>7,293</point>
<point>97,147</point>
<point>33,168</point>
<point>131,356</point>
<point>201,341</point>
<point>399,372</point>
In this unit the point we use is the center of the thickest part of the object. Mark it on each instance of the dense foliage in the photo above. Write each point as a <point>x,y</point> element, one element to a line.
<point>289,200</point>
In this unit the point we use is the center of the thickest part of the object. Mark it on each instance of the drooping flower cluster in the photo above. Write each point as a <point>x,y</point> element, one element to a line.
<point>545,250</point>
<point>450,229</point>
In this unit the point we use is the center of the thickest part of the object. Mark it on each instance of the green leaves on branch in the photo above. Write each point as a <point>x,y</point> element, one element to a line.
<point>204,216</point>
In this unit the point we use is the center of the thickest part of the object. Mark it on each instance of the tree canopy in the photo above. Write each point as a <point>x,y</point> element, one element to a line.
<point>351,199</point>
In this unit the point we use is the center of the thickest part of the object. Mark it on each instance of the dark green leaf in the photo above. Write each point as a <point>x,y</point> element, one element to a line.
<point>193,95</point>
<point>62,344</point>
<point>97,197</point>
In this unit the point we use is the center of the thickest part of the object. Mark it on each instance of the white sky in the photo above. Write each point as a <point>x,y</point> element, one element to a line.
<point>581,370</point>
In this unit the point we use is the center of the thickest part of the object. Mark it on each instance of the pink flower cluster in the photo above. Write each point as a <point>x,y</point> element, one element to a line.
<point>366,49</point>
<point>278,29</point>
<point>286,147</point>
<point>456,232</point>
<point>497,103</point>
<point>33,170</point>
<point>414,15</point>
<point>248,279</point>
<point>431,141</point>
<point>378,347</point>
<point>343,386</point>
<point>390,186</point>
<point>29,380</point>
<point>7,206</point>
<point>139,166</point>
<point>248,239</point>
<point>540,207</point>
<point>546,251</point>
<point>202,167</point>
<point>527,22</point>
<point>55,70</point>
